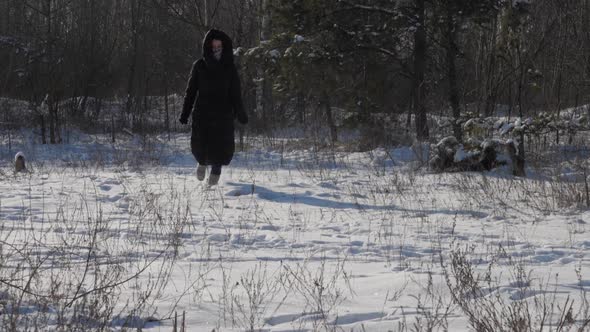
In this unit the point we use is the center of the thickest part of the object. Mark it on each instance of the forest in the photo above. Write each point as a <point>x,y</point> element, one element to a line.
<point>388,68</point>
<point>346,165</point>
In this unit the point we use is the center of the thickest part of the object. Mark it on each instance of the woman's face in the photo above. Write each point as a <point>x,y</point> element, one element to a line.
<point>217,48</point>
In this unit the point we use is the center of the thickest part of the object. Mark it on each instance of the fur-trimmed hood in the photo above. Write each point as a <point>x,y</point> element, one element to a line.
<point>227,57</point>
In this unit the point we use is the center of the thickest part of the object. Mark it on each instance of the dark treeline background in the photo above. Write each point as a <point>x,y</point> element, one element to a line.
<point>382,66</point>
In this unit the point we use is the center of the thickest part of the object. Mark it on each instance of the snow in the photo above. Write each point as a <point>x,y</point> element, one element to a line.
<point>461,154</point>
<point>19,154</point>
<point>298,39</point>
<point>448,141</point>
<point>506,128</point>
<point>288,241</point>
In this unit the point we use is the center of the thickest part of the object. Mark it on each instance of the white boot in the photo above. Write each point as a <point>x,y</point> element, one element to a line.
<point>213,179</point>
<point>201,170</point>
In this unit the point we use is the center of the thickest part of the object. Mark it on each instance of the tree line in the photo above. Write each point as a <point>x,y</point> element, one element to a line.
<point>382,66</point>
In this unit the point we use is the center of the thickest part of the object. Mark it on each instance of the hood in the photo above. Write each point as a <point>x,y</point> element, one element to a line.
<point>227,57</point>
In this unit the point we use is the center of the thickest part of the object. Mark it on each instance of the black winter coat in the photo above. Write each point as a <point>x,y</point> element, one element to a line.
<point>216,87</point>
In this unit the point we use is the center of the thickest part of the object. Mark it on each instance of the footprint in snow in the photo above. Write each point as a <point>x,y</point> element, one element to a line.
<point>329,185</point>
<point>105,187</point>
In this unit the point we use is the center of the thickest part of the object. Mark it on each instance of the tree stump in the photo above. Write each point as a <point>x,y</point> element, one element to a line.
<point>517,160</point>
<point>19,163</point>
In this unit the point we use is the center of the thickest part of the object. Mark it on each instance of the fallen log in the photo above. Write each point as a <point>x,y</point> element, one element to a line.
<point>451,156</point>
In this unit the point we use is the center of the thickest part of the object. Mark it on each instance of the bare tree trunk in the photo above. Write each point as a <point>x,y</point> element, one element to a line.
<point>452,74</point>
<point>51,89</point>
<point>409,117</point>
<point>133,64</point>
<point>559,79</point>
<point>206,10</point>
<point>9,140</point>
<point>330,118</point>
<point>166,110</point>
<point>112,128</point>
<point>241,133</point>
<point>300,107</point>
<point>50,107</point>
<point>9,69</point>
<point>419,70</point>
<point>42,121</point>
<point>264,103</point>
<point>521,153</point>
<point>57,126</point>
<point>5,8</point>
<point>490,88</point>
<point>58,120</point>
<point>517,160</point>
<point>268,103</point>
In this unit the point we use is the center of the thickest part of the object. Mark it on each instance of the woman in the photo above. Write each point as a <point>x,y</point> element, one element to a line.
<point>215,84</point>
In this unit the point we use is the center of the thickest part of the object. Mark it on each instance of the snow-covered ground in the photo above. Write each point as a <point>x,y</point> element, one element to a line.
<point>126,236</point>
